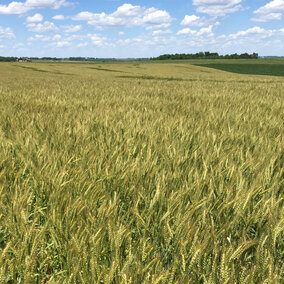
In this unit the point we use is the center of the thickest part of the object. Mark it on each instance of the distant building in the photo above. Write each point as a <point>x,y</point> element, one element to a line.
<point>23,59</point>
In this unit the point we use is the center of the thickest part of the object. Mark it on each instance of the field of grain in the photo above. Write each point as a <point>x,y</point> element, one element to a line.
<point>140,173</point>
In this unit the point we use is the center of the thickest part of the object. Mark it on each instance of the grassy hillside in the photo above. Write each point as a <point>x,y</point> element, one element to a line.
<point>140,173</point>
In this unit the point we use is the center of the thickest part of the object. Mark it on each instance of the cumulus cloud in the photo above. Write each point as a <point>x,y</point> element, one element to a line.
<point>127,15</point>
<point>254,39</point>
<point>18,8</point>
<point>267,17</point>
<point>51,41</point>
<point>196,21</point>
<point>146,41</point>
<point>271,11</point>
<point>38,37</point>
<point>58,17</point>
<point>131,41</point>
<point>255,31</point>
<point>58,40</point>
<point>191,20</point>
<point>97,40</point>
<point>203,31</point>
<point>35,18</point>
<point>42,27</point>
<point>161,32</point>
<point>51,27</point>
<point>71,28</point>
<point>76,37</point>
<point>83,44</point>
<point>6,33</point>
<point>57,37</point>
<point>217,7</point>
<point>63,43</point>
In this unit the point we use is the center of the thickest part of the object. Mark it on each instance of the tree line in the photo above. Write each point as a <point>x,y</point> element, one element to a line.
<point>87,59</point>
<point>8,59</point>
<point>205,55</point>
<point>177,56</point>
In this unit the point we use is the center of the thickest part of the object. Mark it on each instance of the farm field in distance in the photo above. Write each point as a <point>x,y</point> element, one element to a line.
<point>140,173</point>
<point>271,67</point>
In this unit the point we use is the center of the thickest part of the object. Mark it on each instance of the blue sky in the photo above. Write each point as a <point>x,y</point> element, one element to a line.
<point>115,28</point>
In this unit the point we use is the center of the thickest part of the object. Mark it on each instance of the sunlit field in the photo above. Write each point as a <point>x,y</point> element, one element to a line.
<point>140,173</point>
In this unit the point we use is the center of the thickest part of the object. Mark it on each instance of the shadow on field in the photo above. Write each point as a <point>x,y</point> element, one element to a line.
<point>195,80</point>
<point>189,68</point>
<point>158,78</point>
<point>107,70</point>
<point>43,71</point>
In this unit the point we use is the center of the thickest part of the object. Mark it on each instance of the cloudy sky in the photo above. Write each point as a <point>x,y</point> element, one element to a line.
<point>115,28</point>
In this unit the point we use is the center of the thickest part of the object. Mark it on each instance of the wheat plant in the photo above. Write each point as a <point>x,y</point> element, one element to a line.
<point>140,173</point>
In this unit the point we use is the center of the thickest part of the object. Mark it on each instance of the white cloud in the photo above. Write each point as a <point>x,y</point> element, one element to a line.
<point>57,37</point>
<point>86,16</point>
<point>35,18</point>
<point>217,7</point>
<point>255,31</point>
<point>120,33</point>
<point>40,38</point>
<point>127,15</point>
<point>271,11</point>
<point>191,20</point>
<point>54,41</point>
<point>42,27</point>
<point>76,37</point>
<point>84,44</point>
<point>267,17</point>
<point>127,10</point>
<point>58,40</point>
<point>71,28</point>
<point>58,17</point>
<point>196,21</point>
<point>131,41</point>
<point>147,41</point>
<point>162,41</point>
<point>97,40</point>
<point>63,43</point>
<point>207,30</point>
<point>2,46</point>
<point>203,31</point>
<point>254,39</point>
<point>187,31</point>
<point>161,32</point>
<point>54,4</point>
<point>156,18</point>
<point>6,33</point>
<point>18,8</point>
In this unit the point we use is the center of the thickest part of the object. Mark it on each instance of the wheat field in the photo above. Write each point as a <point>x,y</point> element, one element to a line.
<point>140,173</point>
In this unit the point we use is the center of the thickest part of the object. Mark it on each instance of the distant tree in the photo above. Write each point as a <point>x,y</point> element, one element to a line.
<point>205,55</point>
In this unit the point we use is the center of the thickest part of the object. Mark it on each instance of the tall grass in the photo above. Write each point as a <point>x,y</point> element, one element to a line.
<point>106,179</point>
